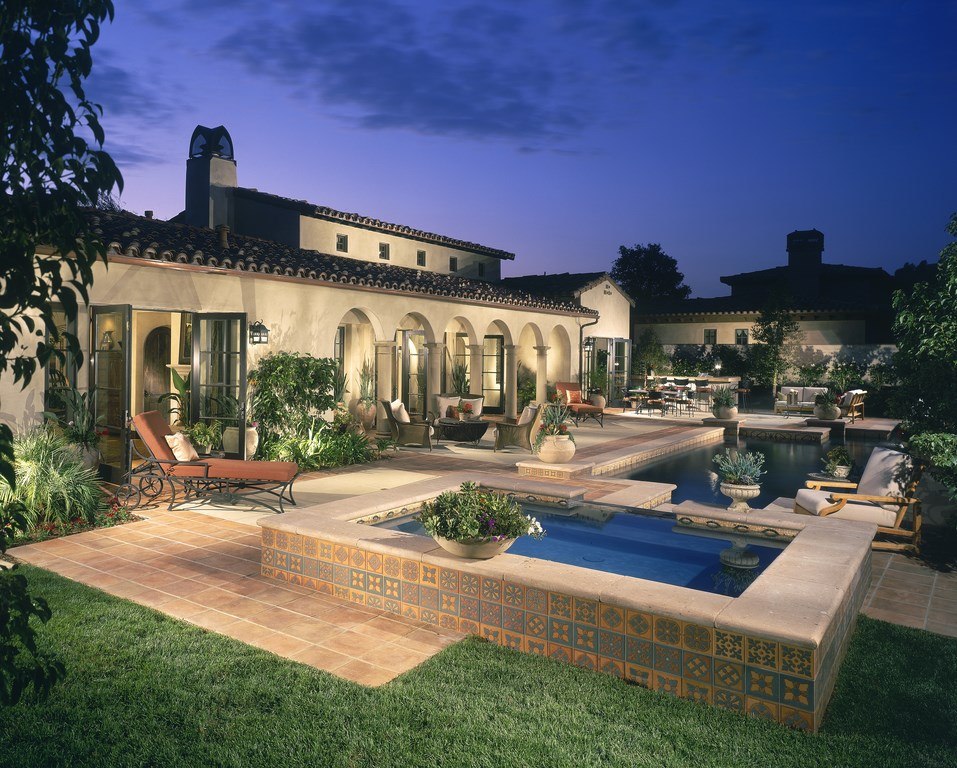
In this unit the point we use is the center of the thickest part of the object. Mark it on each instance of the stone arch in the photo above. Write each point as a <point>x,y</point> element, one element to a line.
<point>500,328</point>
<point>559,355</point>
<point>359,331</point>
<point>416,321</point>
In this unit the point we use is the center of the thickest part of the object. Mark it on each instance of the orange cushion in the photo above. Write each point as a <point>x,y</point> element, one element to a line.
<point>235,469</point>
<point>574,396</point>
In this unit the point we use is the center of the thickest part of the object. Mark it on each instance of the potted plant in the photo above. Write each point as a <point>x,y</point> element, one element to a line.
<point>460,379</point>
<point>232,410</point>
<point>78,424</point>
<point>465,411</point>
<point>597,381</point>
<point>740,475</point>
<point>838,462</point>
<point>554,444</point>
<point>826,407</point>
<point>724,404</point>
<point>180,399</point>
<point>366,407</point>
<point>476,523</point>
<point>204,435</point>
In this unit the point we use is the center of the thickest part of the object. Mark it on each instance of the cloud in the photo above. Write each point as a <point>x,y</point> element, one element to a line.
<point>123,93</point>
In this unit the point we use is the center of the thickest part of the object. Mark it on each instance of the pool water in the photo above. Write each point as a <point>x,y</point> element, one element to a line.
<point>630,544</point>
<point>787,466</point>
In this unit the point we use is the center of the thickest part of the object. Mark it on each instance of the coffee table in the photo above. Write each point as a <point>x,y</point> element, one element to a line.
<point>470,431</point>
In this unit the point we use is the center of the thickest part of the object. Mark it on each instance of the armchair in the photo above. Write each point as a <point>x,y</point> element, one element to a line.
<point>408,432</point>
<point>519,432</point>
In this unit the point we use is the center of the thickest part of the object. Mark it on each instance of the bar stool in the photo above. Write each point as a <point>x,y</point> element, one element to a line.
<point>744,396</point>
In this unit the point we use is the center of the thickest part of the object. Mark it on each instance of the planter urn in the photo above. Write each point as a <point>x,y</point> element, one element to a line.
<point>829,412</point>
<point>598,400</point>
<point>475,550</point>
<point>740,495</point>
<point>231,440</point>
<point>725,413</point>
<point>556,449</point>
<point>366,411</point>
<point>841,472</point>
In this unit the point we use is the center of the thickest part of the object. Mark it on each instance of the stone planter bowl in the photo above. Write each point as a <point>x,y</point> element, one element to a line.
<point>476,550</point>
<point>740,495</point>
<point>556,449</point>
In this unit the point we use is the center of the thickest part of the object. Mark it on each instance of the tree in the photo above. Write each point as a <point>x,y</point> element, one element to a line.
<point>646,271</point>
<point>926,365</point>
<point>780,336</point>
<point>49,172</point>
<point>648,354</point>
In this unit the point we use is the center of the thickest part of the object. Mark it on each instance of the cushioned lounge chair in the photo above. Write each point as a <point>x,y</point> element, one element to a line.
<point>883,496</point>
<point>579,406</point>
<point>207,477</point>
<point>519,433</point>
<point>852,404</point>
<point>408,432</point>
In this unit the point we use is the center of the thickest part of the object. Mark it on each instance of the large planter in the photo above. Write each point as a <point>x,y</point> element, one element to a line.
<point>556,449</point>
<point>841,472</point>
<point>365,411</point>
<point>231,440</point>
<point>829,412</point>
<point>476,550</point>
<point>740,495</point>
<point>725,413</point>
<point>89,456</point>
<point>598,400</point>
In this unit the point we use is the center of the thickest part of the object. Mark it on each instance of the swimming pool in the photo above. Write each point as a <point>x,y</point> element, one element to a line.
<point>649,547</point>
<point>787,465</point>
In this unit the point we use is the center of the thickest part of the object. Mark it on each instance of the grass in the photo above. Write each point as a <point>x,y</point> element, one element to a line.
<point>145,689</point>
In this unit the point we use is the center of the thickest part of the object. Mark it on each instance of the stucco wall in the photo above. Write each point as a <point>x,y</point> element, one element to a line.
<point>816,332</point>
<point>614,308</point>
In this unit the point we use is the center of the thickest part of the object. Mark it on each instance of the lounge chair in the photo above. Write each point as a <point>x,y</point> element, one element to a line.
<point>580,408</point>
<point>883,496</point>
<point>407,432</point>
<point>204,478</point>
<point>852,404</point>
<point>519,432</point>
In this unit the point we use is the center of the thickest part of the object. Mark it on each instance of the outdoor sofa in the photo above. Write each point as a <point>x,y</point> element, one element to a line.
<point>797,399</point>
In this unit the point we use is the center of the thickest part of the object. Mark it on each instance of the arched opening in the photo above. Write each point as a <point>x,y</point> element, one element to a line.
<point>527,370</point>
<point>493,376</point>
<point>411,363</point>
<point>559,355</point>
<point>156,378</point>
<point>456,371</point>
<point>354,348</point>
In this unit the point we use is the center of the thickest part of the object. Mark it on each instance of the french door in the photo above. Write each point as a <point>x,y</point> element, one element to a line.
<point>110,350</point>
<point>218,376</point>
<point>411,368</point>
<point>493,374</point>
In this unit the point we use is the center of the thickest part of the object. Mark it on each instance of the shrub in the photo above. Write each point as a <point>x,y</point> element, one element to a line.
<point>78,423</point>
<point>736,468</point>
<point>526,385</point>
<point>847,373</point>
<point>51,482</point>
<point>812,374</point>
<point>472,515</point>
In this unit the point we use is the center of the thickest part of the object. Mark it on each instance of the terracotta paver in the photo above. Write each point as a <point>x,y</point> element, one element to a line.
<point>906,591</point>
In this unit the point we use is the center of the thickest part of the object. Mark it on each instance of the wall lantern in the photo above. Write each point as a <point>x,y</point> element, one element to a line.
<point>717,367</point>
<point>258,333</point>
<point>589,344</point>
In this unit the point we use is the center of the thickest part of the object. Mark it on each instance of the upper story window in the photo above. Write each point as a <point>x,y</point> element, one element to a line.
<point>710,335</point>
<point>342,243</point>
<point>420,258</point>
<point>384,251</point>
<point>741,336</point>
<point>481,269</point>
<point>453,263</point>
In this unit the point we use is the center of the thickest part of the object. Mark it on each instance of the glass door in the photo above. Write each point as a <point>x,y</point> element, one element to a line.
<point>620,369</point>
<point>218,391</point>
<point>412,366</point>
<point>110,381</point>
<point>493,374</point>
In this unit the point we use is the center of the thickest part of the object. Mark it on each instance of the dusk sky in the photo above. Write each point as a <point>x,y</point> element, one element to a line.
<point>561,130</point>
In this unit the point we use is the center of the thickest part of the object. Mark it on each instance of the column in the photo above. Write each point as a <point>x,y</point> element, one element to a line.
<point>541,374</point>
<point>511,381</point>
<point>436,354</point>
<point>476,363</point>
<point>384,357</point>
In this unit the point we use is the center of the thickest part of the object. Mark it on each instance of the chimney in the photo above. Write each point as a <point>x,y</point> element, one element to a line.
<point>210,174</point>
<point>223,231</point>
<point>149,214</point>
<point>805,252</point>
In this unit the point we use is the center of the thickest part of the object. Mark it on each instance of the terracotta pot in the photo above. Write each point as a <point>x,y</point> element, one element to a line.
<point>740,495</point>
<point>366,410</point>
<point>598,400</point>
<point>556,449</point>
<point>476,550</point>
<point>725,413</point>
<point>829,412</point>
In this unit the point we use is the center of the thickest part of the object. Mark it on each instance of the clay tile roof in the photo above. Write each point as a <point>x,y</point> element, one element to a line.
<point>126,234</point>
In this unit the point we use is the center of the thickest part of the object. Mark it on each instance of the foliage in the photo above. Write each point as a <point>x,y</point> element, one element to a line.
<point>105,517</point>
<point>828,397</point>
<point>723,397</point>
<point>648,354</point>
<point>302,448</point>
<point>290,391</point>
<point>340,382</point>
<point>78,424</point>
<point>460,379</point>
<point>598,379</point>
<point>472,514</point>
<point>646,270</point>
<point>180,398</point>
<point>204,433</point>
<point>846,373</point>
<point>691,359</point>
<point>909,275</point>
<point>367,382</point>
<point>527,387</point>
<point>812,374</point>
<point>51,481</point>
<point>881,374</point>
<point>939,450</point>
<point>555,420</point>
<point>322,445</point>
<point>779,335</point>
<point>737,468</point>
<point>837,457</point>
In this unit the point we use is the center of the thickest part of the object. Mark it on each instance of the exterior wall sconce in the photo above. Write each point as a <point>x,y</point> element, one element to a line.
<point>589,344</point>
<point>258,333</point>
<point>107,342</point>
<point>717,367</point>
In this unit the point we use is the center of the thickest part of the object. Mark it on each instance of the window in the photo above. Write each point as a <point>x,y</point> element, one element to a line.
<point>741,337</point>
<point>481,269</point>
<point>453,263</point>
<point>342,243</point>
<point>420,258</point>
<point>384,251</point>
<point>710,335</point>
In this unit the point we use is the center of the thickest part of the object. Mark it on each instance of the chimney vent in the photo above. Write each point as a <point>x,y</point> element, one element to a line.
<point>223,231</point>
<point>149,214</point>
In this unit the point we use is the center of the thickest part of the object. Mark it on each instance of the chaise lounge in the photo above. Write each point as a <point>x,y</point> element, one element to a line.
<point>580,408</point>
<point>204,478</point>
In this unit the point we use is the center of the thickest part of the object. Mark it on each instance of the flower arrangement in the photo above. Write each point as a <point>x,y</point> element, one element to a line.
<point>472,515</point>
<point>204,434</point>
<point>555,421</point>
<point>737,468</point>
<point>466,409</point>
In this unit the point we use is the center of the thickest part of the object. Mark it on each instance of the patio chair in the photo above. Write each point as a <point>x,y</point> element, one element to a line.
<point>580,408</point>
<point>519,432</point>
<point>883,496</point>
<point>204,478</point>
<point>852,404</point>
<point>405,431</point>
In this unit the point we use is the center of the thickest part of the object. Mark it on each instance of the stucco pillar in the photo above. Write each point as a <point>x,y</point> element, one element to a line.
<point>384,357</point>
<point>511,381</point>
<point>436,353</point>
<point>476,362</point>
<point>541,374</point>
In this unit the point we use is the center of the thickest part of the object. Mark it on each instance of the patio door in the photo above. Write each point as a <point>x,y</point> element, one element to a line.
<point>218,377</point>
<point>493,374</point>
<point>110,349</point>
<point>411,367</point>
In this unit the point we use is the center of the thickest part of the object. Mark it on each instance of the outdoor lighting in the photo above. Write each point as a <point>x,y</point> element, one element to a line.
<point>258,333</point>
<point>589,344</point>
<point>717,367</point>
<point>107,341</point>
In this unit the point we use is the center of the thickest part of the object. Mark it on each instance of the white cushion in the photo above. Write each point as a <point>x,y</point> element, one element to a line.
<point>527,415</point>
<point>443,404</point>
<point>476,404</point>
<point>846,400</point>
<point>181,447</point>
<point>399,411</point>
<point>860,511</point>
<point>886,473</point>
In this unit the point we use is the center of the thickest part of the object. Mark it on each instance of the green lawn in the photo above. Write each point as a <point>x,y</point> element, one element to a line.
<point>144,689</point>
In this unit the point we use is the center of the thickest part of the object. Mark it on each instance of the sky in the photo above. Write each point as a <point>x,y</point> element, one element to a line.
<point>560,130</point>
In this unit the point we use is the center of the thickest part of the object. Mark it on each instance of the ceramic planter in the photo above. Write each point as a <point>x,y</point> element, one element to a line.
<point>475,550</point>
<point>556,449</point>
<point>725,413</point>
<point>365,411</point>
<point>89,457</point>
<point>841,472</point>
<point>740,495</point>
<point>598,400</point>
<point>829,412</point>
<point>231,440</point>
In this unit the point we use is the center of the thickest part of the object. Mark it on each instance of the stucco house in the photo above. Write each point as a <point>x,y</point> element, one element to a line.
<point>185,294</point>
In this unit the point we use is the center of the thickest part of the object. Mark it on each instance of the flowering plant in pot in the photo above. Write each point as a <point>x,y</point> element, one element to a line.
<point>477,523</point>
<point>554,443</point>
<point>366,407</point>
<point>837,462</point>
<point>465,410</point>
<point>740,475</point>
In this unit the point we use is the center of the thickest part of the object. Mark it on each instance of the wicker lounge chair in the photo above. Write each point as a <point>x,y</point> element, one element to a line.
<point>207,477</point>
<point>580,408</point>
<point>511,433</point>
<point>883,496</point>
<point>408,432</point>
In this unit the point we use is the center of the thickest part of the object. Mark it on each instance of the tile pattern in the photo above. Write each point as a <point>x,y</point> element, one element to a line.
<point>754,675</point>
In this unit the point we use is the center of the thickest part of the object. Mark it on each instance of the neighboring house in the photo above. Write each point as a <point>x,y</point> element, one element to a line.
<point>839,308</point>
<point>194,294</point>
<point>606,341</point>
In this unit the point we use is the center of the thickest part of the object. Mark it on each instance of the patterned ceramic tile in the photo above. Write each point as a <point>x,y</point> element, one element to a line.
<point>639,652</point>
<point>611,666</point>
<point>640,675</point>
<point>559,631</point>
<point>429,575</point>
<point>729,674</point>
<point>533,645</point>
<point>410,570</point>
<point>798,693</point>
<point>357,558</point>
<point>793,718</point>
<point>429,597</point>
<point>560,653</point>
<point>340,554</point>
<point>611,644</point>
<point>797,661</point>
<point>392,606</point>
<point>469,584</point>
<point>449,602</point>
<point>326,571</point>
<point>696,666</point>
<point>281,560</point>
<point>341,575</point>
<point>559,605</point>
<point>667,683</point>
<point>761,683</point>
<point>374,562</point>
<point>411,612</point>
<point>469,608</point>
<point>268,537</point>
<point>667,659</point>
<point>585,637</point>
<point>729,645</point>
<point>491,589</point>
<point>610,617</point>
<point>392,588</point>
<point>586,611</point>
<point>586,660</point>
<point>282,540</point>
<point>358,597</point>
<point>762,653</point>
<point>294,543</point>
<point>392,566</point>
<point>536,625</point>
<point>310,547</point>
<point>410,593</point>
<point>696,638</point>
<point>310,567</point>
<point>638,624</point>
<point>268,556</point>
<point>448,621</point>
<point>761,708</point>
<point>428,616</point>
<point>449,580</point>
<point>536,600</point>
<point>729,699</point>
<point>697,692</point>
<point>374,601</point>
<point>491,613</point>
<point>513,619</point>
<point>326,550</point>
<point>357,579</point>
<point>469,626</point>
<point>667,631</point>
<point>513,640</point>
<point>513,594</point>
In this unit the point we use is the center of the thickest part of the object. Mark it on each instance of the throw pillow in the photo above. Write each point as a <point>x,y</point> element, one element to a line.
<point>476,405</point>
<point>528,414</point>
<point>451,412</point>
<point>399,411</point>
<point>574,396</point>
<point>181,447</point>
